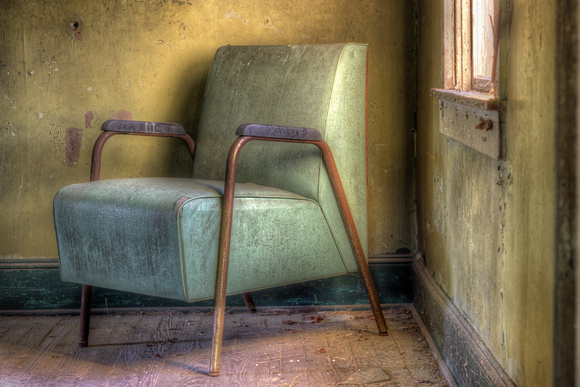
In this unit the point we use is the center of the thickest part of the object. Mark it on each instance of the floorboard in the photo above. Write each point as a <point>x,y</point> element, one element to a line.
<point>270,348</point>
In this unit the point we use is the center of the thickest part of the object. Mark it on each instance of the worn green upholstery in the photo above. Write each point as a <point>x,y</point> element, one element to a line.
<point>159,236</point>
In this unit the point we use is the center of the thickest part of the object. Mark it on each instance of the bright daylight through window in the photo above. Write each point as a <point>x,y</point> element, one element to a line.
<point>471,44</point>
<point>483,44</point>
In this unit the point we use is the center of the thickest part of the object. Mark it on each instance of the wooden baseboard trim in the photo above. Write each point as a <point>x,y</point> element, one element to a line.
<point>440,361</point>
<point>202,309</point>
<point>29,264</point>
<point>52,263</point>
<point>35,286</point>
<point>464,352</point>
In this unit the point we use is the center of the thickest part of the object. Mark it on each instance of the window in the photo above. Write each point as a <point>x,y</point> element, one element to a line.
<point>471,44</point>
<point>472,100</point>
<point>483,44</point>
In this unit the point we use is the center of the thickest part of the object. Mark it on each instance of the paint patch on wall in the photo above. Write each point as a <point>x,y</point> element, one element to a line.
<point>123,115</point>
<point>89,116</point>
<point>72,146</point>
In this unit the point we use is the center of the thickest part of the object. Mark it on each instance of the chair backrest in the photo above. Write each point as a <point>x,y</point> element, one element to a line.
<point>317,86</point>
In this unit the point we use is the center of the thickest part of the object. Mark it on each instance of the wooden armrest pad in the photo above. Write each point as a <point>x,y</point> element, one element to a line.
<point>142,127</point>
<point>281,132</point>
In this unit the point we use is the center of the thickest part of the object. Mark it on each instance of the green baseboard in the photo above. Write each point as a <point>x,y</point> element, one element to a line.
<point>37,286</point>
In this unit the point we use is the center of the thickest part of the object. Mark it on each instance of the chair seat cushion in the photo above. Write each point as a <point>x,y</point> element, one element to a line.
<point>159,236</point>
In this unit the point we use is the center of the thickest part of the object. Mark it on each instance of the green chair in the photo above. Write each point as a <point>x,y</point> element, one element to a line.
<point>285,220</point>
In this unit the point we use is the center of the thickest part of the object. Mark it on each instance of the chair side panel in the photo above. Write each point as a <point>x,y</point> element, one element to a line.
<point>275,242</point>
<point>346,135</point>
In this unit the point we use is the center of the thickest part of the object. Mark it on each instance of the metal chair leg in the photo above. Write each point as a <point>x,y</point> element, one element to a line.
<point>224,256</point>
<point>217,336</point>
<point>85,316</point>
<point>225,239</point>
<point>373,297</point>
<point>249,301</point>
<point>353,237</point>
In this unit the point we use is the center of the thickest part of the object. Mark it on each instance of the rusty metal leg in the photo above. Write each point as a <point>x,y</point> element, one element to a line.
<point>249,301</point>
<point>373,296</point>
<point>217,334</point>
<point>353,237</point>
<point>85,316</point>
<point>224,256</point>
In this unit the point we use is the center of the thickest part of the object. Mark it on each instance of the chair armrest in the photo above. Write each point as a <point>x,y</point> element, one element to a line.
<point>143,127</point>
<point>111,128</point>
<point>279,132</point>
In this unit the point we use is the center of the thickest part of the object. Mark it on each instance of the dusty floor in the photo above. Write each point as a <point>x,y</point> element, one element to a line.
<point>270,348</point>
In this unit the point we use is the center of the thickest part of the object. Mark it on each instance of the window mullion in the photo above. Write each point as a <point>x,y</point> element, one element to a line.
<point>458,45</point>
<point>449,60</point>
<point>466,37</point>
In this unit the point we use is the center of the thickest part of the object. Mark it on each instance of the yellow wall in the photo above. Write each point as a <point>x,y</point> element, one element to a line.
<point>150,58</point>
<point>486,227</point>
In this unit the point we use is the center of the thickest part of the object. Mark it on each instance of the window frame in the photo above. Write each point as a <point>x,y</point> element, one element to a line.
<point>473,117</point>
<point>458,48</point>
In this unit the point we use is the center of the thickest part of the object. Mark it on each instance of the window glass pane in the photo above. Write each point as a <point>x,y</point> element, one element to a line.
<point>483,15</point>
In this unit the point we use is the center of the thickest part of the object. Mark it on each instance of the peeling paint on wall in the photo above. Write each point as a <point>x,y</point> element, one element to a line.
<point>72,146</point>
<point>89,116</point>
<point>123,115</point>
<point>76,29</point>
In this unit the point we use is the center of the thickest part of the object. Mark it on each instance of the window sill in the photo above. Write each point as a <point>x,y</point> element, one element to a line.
<point>476,99</point>
<point>472,118</point>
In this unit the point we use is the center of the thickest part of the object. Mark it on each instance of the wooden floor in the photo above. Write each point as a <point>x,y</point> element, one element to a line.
<point>270,348</point>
